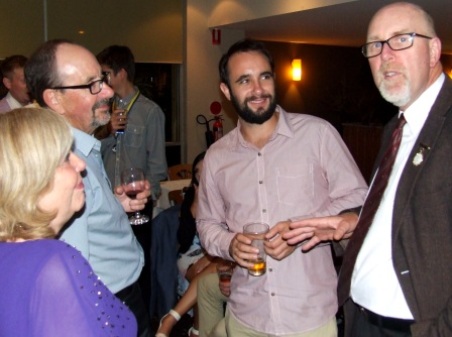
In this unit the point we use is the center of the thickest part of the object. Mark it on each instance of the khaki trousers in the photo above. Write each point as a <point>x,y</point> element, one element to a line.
<point>211,307</point>
<point>235,328</point>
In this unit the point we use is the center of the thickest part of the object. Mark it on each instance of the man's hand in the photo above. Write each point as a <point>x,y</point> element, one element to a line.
<point>241,250</point>
<point>133,205</point>
<point>276,245</point>
<point>317,230</point>
<point>118,120</point>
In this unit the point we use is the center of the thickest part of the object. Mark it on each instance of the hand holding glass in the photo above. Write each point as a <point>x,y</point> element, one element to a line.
<point>256,231</point>
<point>121,120</point>
<point>133,182</point>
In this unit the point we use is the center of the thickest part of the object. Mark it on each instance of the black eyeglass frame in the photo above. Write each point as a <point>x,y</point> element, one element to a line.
<point>410,36</point>
<point>89,86</point>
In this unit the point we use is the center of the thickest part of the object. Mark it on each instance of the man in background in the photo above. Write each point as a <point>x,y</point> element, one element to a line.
<point>135,137</point>
<point>12,69</point>
<point>67,78</point>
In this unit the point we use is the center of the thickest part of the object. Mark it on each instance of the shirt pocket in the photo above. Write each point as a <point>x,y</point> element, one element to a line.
<point>134,136</point>
<point>295,185</point>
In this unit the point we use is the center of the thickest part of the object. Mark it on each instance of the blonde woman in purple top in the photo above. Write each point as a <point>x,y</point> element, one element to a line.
<point>46,287</point>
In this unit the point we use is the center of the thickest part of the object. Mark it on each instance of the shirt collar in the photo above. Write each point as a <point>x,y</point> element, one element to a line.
<point>84,142</point>
<point>417,113</point>
<point>12,102</point>
<point>126,100</point>
<point>282,128</point>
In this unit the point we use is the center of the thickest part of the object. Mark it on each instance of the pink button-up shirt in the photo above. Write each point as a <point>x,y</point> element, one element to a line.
<point>304,170</point>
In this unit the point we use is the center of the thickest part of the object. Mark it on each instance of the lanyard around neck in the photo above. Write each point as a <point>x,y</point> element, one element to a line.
<point>131,103</point>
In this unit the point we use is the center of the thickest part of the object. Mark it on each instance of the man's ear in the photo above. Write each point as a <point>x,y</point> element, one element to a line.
<point>7,82</point>
<point>435,51</point>
<point>225,89</point>
<point>123,73</point>
<point>52,99</point>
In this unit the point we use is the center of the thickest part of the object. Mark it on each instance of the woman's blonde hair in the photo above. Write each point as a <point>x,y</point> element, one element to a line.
<point>33,143</point>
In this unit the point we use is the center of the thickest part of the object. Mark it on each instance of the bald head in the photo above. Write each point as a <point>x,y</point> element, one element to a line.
<point>408,14</point>
<point>61,75</point>
<point>402,75</point>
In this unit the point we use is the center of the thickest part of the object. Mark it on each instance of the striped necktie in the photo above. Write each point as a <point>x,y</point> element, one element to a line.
<point>368,212</point>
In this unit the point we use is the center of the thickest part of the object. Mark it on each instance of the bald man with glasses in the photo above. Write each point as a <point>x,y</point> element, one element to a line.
<point>396,276</point>
<point>67,78</point>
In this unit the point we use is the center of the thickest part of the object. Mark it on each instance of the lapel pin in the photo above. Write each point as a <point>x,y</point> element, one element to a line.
<point>419,156</point>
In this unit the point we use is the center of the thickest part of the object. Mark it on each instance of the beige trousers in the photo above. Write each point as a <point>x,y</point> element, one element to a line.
<point>235,328</point>
<point>210,307</point>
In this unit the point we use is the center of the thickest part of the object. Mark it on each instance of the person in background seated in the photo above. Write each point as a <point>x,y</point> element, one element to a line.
<point>193,261</point>
<point>12,69</point>
<point>212,296</point>
<point>46,287</point>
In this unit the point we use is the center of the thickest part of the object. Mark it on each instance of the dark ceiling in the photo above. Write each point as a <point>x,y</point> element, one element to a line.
<point>339,25</point>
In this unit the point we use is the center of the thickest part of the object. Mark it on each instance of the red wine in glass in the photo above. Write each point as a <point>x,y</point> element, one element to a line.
<point>132,194</point>
<point>133,183</point>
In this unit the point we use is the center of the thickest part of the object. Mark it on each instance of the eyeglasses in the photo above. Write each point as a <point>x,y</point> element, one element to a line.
<point>397,42</point>
<point>94,87</point>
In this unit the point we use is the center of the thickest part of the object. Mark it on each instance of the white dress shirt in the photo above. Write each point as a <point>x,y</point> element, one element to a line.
<point>374,282</point>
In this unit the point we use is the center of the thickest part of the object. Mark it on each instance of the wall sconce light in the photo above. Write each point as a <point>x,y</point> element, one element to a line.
<point>296,70</point>
<point>450,73</point>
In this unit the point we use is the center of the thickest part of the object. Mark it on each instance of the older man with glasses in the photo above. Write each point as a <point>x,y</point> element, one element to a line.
<point>67,78</point>
<point>396,276</point>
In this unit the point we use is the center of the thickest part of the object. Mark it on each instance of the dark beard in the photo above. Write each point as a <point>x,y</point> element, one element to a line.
<point>248,115</point>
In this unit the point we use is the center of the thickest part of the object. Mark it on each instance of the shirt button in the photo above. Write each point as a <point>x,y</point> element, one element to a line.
<point>261,182</point>
<point>264,211</point>
<point>273,294</point>
<point>270,269</point>
<point>259,154</point>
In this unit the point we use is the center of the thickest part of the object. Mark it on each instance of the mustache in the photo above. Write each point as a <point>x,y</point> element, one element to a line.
<point>385,67</point>
<point>98,104</point>
<point>252,98</point>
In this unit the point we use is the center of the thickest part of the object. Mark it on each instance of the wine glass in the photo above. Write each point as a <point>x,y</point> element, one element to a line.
<point>133,182</point>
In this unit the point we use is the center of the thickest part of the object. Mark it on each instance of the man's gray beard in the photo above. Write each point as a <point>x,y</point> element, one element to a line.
<point>96,121</point>
<point>400,98</point>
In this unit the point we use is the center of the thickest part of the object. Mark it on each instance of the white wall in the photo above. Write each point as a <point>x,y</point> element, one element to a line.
<point>152,29</point>
<point>201,73</point>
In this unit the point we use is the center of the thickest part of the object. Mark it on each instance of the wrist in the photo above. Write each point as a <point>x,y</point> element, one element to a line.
<point>231,255</point>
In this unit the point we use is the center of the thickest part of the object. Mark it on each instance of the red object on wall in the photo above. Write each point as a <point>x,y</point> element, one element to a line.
<point>216,36</point>
<point>217,128</point>
<point>215,107</point>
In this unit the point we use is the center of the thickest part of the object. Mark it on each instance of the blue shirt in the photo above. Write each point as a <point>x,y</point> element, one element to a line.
<point>102,232</point>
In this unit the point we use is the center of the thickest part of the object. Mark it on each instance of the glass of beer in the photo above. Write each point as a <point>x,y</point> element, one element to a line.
<point>256,231</point>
